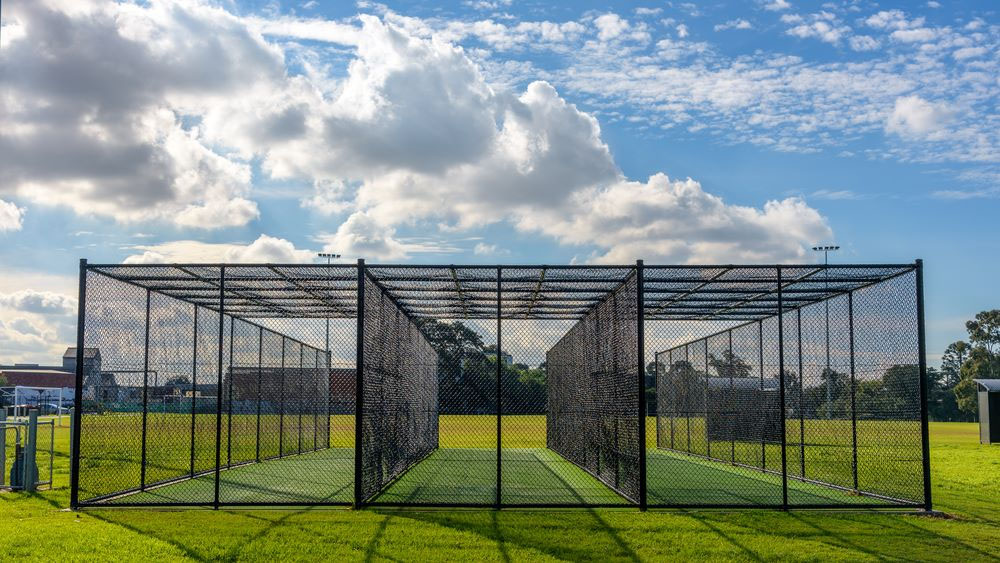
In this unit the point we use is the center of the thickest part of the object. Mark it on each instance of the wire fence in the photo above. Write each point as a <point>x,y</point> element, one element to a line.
<point>501,386</point>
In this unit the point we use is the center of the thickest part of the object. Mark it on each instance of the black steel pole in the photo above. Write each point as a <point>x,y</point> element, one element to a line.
<point>81,314</point>
<point>641,345</point>
<point>798,402</point>
<point>300,384</point>
<point>673,397</point>
<point>687,401</point>
<point>229,399</point>
<point>260,382</point>
<point>708,435</point>
<point>826,303</point>
<point>922,351</point>
<point>731,414</point>
<point>218,391</point>
<point>359,387</point>
<point>329,401</point>
<point>854,411</point>
<point>315,413</point>
<point>145,397</point>
<point>194,385</point>
<point>781,395</point>
<point>762,411</point>
<point>281,404</point>
<point>499,391</point>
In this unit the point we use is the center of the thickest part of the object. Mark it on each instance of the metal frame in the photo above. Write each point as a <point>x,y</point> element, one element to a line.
<point>749,294</point>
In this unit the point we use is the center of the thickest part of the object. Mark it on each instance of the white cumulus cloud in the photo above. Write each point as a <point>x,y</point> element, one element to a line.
<point>11,216</point>
<point>913,116</point>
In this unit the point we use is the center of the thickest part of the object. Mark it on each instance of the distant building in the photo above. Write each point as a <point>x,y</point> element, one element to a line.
<point>92,376</point>
<point>41,376</point>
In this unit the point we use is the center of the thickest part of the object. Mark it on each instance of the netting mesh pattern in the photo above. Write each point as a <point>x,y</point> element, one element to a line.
<point>399,411</point>
<point>592,391</point>
<point>849,374</point>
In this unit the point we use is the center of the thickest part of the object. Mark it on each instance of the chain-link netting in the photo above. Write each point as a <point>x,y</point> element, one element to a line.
<point>593,393</point>
<point>843,369</point>
<point>399,406</point>
<point>501,386</point>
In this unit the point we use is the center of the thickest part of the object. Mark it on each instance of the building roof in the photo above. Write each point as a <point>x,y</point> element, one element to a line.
<point>87,352</point>
<point>989,385</point>
<point>39,377</point>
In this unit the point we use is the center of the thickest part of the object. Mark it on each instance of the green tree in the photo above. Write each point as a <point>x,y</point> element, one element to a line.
<point>951,363</point>
<point>984,331</point>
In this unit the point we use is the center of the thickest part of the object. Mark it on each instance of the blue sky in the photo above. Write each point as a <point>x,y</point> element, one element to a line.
<point>496,131</point>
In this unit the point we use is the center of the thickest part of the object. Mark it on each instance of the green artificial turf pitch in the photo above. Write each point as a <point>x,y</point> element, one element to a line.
<point>468,476</point>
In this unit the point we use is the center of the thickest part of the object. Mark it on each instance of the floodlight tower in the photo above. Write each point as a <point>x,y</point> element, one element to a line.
<point>328,257</point>
<point>826,250</point>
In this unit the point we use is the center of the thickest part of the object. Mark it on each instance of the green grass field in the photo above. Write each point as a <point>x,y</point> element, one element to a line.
<point>965,487</point>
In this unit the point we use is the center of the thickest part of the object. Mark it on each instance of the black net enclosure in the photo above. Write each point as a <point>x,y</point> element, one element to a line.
<point>783,386</point>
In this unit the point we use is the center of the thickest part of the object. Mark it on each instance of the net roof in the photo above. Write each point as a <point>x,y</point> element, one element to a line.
<point>722,292</point>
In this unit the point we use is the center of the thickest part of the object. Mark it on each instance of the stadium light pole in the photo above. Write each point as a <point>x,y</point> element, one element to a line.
<point>826,250</point>
<point>328,257</point>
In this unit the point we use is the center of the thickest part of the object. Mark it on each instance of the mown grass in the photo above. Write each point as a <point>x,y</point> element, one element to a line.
<point>35,527</point>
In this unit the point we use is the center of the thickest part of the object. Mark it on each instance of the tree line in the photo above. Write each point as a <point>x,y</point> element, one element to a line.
<point>952,391</point>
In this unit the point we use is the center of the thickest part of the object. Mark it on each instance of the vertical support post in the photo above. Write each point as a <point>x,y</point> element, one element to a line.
<point>194,386</point>
<point>731,415</point>
<point>145,397</point>
<point>229,399</point>
<point>359,383</point>
<point>802,420</point>
<point>81,313</point>
<point>922,360</point>
<point>641,345</point>
<point>687,401</point>
<point>29,465</point>
<point>315,413</point>
<point>281,404</point>
<point>854,412</point>
<point>781,395</point>
<point>299,389</point>
<point>673,397</point>
<point>708,435</point>
<point>218,391</point>
<point>762,411</point>
<point>260,382</point>
<point>329,400</point>
<point>499,397</point>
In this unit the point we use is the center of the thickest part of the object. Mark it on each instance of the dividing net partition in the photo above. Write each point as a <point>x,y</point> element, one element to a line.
<point>501,386</point>
<point>593,395</point>
<point>399,400</point>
